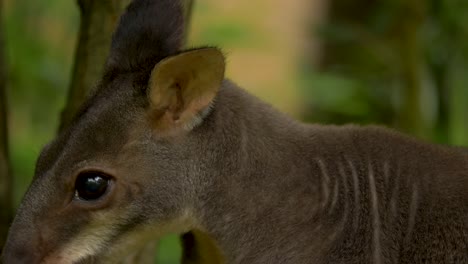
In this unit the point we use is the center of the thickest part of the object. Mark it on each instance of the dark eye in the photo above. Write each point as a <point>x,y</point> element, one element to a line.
<point>91,185</point>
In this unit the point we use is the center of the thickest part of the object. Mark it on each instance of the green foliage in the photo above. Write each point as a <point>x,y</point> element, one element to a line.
<point>226,32</point>
<point>169,250</point>
<point>339,99</point>
<point>361,78</point>
<point>38,48</point>
<point>398,63</point>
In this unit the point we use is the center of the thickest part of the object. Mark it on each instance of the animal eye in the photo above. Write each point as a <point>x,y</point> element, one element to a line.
<point>91,185</point>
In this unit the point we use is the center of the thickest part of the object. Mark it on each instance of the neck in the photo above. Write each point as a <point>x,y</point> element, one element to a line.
<point>254,160</point>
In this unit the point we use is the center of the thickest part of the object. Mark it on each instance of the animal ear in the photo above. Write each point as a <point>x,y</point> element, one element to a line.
<point>182,89</point>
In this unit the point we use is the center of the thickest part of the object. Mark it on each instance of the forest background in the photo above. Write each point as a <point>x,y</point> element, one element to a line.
<point>398,63</point>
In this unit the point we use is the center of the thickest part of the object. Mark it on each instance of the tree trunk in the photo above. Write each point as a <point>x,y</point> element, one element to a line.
<point>411,116</point>
<point>458,101</point>
<point>6,182</point>
<point>394,45</point>
<point>188,7</point>
<point>98,21</point>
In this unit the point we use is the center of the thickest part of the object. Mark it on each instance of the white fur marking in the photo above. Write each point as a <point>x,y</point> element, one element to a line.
<point>386,172</point>
<point>197,119</point>
<point>345,183</point>
<point>375,214</point>
<point>412,213</point>
<point>395,193</point>
<point>87,243</point>
<point>325,181</point>
<point>356,193</point>
<point>335,195</point>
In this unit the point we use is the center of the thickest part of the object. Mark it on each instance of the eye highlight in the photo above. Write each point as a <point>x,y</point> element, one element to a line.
<point>91,185</point>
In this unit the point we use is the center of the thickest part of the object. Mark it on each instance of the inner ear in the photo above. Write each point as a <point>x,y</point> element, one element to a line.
<point>182,88</point>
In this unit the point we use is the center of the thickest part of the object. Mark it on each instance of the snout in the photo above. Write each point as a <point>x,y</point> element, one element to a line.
<point>21,251</point>
<point>24,245</point>
<point>26,254</point>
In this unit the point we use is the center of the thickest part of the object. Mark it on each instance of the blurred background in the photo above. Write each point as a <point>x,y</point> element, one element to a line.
<point>399,63</point>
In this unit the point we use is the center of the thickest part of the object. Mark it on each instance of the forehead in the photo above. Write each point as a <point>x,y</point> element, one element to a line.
<point>101,128</point>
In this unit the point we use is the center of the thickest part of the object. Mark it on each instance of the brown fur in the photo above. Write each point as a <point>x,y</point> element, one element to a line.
<point>254,185</point>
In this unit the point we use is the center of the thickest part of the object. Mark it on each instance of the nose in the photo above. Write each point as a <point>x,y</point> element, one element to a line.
<point>20,256</point>
<point>21,251</point>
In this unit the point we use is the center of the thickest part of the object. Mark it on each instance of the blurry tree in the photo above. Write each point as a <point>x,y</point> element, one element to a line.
<point>410,16</point>
<point>98,21</point>
<point>447,54</point>
<point>356,57</point>
<point>396,62</point>
<point>6,210</point>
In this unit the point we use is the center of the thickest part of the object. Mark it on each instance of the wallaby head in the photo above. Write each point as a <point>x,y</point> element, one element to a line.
<point>117,177</point>
<point>167,145</point>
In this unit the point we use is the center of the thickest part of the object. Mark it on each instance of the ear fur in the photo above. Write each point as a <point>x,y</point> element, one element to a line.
<point>148,31</point>
<point>182,89</point>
